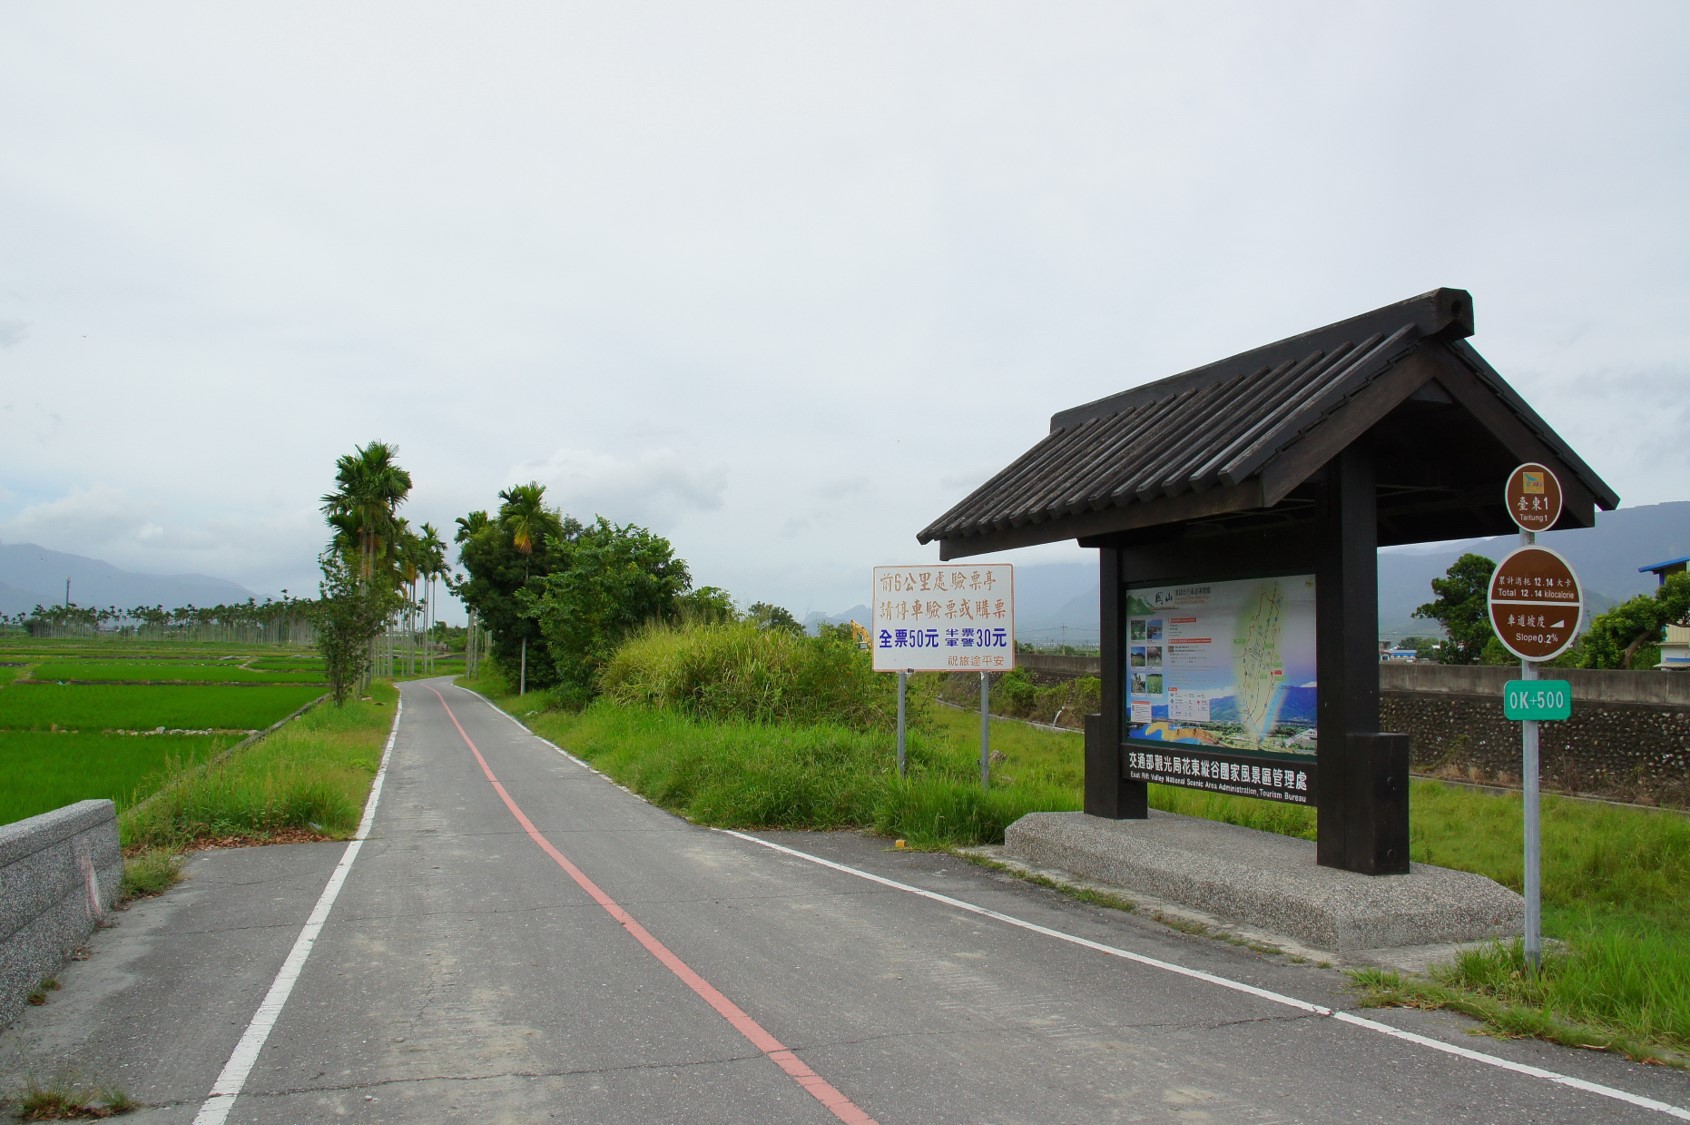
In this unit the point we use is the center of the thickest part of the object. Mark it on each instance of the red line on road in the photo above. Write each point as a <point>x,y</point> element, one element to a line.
<point>773,1049</point>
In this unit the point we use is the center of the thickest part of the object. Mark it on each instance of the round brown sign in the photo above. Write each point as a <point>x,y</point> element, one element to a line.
<point>1534,497</point>
<point>1535,603</point>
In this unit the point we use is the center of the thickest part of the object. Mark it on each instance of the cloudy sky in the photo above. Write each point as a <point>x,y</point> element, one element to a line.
<point>780,281</point>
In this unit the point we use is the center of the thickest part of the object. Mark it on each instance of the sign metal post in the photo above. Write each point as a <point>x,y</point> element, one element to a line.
<point>1534,841</point>
<point>903,682</point>
<point>1535,603</point>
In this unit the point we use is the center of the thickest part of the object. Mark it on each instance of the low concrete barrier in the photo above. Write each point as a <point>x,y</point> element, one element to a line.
<point>60,874</point>
<point>1269,882</point>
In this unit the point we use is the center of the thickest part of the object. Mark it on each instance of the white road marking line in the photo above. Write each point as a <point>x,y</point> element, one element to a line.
<point>1237,986</point>
<point>1524,1069</point>
<point>232,1080</point>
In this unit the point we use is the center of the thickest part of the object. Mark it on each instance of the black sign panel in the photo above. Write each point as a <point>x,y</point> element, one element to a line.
<point>1291,780</point>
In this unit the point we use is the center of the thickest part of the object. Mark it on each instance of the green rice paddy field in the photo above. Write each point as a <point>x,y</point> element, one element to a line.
<point>82,719</point>
<point>169,671</point>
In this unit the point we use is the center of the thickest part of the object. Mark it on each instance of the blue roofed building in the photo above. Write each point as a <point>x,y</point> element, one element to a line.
<point>1675,639</point>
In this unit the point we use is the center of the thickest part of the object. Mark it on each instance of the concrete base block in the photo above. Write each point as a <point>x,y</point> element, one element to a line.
<point>1268,882</point>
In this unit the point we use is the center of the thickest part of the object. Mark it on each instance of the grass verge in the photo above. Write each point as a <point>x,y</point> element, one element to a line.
<point>816,776</point>
<point>1616,880</point>
<point>310,777</point>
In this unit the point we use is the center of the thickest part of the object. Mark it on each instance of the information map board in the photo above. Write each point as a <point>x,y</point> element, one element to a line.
<point>1221,686</point>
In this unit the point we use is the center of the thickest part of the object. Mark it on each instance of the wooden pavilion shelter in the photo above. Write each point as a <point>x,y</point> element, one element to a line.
<point>1301,456</point>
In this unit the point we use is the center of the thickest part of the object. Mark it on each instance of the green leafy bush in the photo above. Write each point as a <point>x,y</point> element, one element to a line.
<point>1016,695</point>
<point>740,672</point>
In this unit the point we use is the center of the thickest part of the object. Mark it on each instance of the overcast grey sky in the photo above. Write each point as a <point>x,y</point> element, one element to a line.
<point>780,281</point>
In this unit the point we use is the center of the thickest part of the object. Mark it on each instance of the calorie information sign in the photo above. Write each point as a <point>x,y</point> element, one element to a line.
<point>1535,603</point>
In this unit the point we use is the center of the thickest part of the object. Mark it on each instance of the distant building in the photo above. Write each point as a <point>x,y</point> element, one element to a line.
<point>1675,639</point>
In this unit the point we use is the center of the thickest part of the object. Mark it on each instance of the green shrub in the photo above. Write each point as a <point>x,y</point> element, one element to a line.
<point>1016,695</point>
<point>739,672</point>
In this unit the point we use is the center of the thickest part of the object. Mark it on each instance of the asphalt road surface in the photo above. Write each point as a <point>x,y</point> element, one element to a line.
<point>515,938</point>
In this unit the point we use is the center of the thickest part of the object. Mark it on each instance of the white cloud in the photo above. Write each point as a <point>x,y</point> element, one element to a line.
<point>782,283</point>
<point>101,513</point>
<point>657,488</point>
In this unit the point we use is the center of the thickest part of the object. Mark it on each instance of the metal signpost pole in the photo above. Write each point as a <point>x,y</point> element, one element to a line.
<point>985,734</point>
<point>902,677</point>
<point>1529,798</point>
<point>1534,500</point>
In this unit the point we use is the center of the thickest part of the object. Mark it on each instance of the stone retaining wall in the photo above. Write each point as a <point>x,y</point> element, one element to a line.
<point>1628,738</point>
<point>60,874</point>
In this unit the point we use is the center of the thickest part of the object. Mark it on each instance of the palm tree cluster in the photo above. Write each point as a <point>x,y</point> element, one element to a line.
<point>502,554</point>
<point>287,620</point>
<point>379,544</point>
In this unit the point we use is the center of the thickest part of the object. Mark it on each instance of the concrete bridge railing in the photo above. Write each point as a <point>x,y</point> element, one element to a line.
<point>60,875</point>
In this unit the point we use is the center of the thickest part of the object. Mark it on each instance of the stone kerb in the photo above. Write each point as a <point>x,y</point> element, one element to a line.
<point>60,874</point>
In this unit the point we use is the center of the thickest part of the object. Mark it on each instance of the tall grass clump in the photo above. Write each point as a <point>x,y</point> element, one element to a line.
<point>1016,695</point>
<point>749,775</point>
<point>740,672</point>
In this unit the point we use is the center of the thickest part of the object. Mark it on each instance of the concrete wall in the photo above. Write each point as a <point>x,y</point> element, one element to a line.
<point>1046,667</point>
<point>1628,738</point>
<point>60,874</point>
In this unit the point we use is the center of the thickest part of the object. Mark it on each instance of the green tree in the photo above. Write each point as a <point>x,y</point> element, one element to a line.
<point>1632,629</point>
<point>369,536</point>
<point>524,516</point>
<point>1425,648</point>
<point>766,616</point>
<point>501,555</point>
<point>432,556</point>
<point>348,613</point>
<point>708,605</point>
<point>611,581</point>
<point>363,508</point>
<point>1462,608</point>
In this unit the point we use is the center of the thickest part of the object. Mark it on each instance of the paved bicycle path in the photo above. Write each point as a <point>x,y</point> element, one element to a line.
<point>464,973</point>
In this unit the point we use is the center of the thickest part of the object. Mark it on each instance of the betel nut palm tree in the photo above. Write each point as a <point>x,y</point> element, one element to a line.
<point>363,512</point>
<point>363,509</point>
<point>432,556</point>
<point>524,517</point>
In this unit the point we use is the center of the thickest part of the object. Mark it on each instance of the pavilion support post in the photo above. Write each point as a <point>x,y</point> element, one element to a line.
<point>1357,831</point>
<point>1108,793</point>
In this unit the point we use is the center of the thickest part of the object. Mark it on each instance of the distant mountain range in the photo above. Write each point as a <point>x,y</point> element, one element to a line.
<point>1604,557</point>
<point>1057,602</point>
<point>32,576</point>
